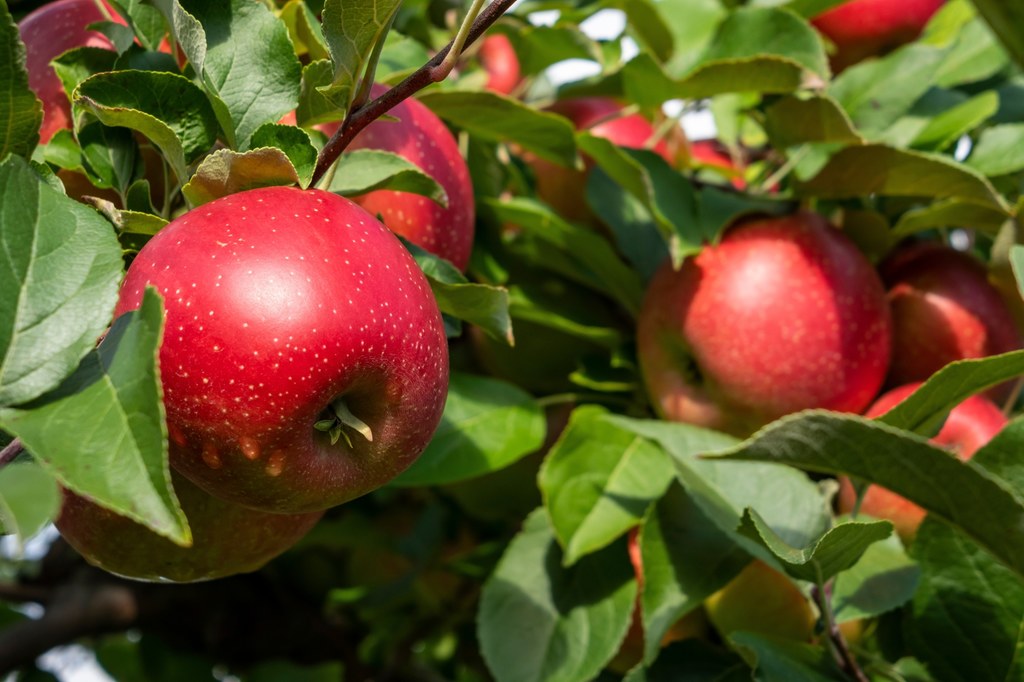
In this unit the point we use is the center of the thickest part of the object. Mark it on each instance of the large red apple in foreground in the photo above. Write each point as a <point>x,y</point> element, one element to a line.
<point>865,28</point>
<point>288,309</point>
<point>564,189</point>
<point>943,309</point>
<point>499,60</point>
<point>969,426</point>
<point>48,32</point>
<point>784,314</point>
<point>226,538</point>
<point>421,138</point>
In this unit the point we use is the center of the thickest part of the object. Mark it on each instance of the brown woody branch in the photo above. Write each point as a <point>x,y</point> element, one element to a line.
<point>433,71</point>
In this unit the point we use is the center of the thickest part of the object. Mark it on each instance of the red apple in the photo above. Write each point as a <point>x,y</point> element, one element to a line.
<point>421,138</point>
<point>943,309</point>
<point>47,33</point>
<point>226,538</point>
<point>288,309</point>
<point>564,189</point>
<point>784,314</point>
<point>865,28</point>
<point>969,426</point>
<point>499,60</point>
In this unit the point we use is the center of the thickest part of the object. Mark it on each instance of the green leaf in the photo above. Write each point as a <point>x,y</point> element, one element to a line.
<point>975,56</point>
<point>949,213</point>
<point>1005,20</point>
<point>944,129</point>
<point>567,622</point>
<point>960,493</point>
<point>926,408</point>
<point>577,252</point>
<point>111,154</point>
<point>879,169</point>
<point>294,142</point>
<point>755,49</point>
<point>313,107</point>
<point>598,480</point>
<point>60,265</point>
<point>884,579</point>
<point>799,119</point>
<point>999,150</point>
<point>538,47</point>
<point>636,233</point>
<point>494,117</point>
<point>167,108</point>
<point>245,59</point>
<point>791,503</point>
<point>351,29</point>
<point>29,499</point>
<point>226,172</point>
<point>779,660</point>
<point>837,550</point>
<point>692,660</point>
<point>487,425</point>
<point>876,92</point>
<point>484,305</point>
<point>120,460</point>
<point>964,588</point>
<point>304,29</point>
<point>146,21</point>
<point>366,170</point>
<point>21,113</point>
<point>693,24</point>
<point>673,533</point>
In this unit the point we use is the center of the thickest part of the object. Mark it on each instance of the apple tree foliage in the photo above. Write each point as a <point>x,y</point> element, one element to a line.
<point>502,552</point>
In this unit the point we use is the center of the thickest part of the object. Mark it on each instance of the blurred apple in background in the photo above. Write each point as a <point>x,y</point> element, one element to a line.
<point>784,314</point>
<point>866,28</point>
<point>763,600</point>
<point>943,309</point>
<point>499,60</point>
<point>970,425</point>
<point>710,154</point>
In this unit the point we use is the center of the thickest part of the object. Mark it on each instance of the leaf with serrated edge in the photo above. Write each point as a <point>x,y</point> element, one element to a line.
<point>351,29</point>
<point>226,172</point>
<point>366,170</point>
<point>924,410</point>
<point>598,480</point>
<point>21,112</point>
<point>837,550</point>
<point>487,425</point>
<point>294,142</point>
<point>960,493</point>
<point>119,458</point>
<point>167,108</point>
<point>60,265</point>
<point>568,621</point>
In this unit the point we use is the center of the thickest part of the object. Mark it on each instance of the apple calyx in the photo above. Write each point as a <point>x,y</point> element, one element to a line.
<point>340,416</point>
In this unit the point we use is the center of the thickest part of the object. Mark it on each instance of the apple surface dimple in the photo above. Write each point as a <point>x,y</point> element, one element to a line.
<point>784,314</point>
<point>227,538</point>
<point>281,303</point>
<point>969,426</point>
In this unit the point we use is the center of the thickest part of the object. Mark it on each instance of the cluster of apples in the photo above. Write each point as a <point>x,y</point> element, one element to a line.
<point>304,361</point>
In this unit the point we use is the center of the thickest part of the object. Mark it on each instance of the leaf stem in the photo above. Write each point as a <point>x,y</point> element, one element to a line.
<point>456,46</point>
<point>821,593</point>
<point>10,451</point>
<point>419,79</point>
<point>366,85</point>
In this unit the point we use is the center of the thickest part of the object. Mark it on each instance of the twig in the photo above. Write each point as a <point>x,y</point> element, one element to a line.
<point>431,72</point>
<point>20,594</point>
<point>10,451</point>
<point>840,648</point>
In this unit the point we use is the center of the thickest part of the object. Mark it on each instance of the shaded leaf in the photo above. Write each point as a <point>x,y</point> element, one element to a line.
<point>21,113</point>
<point>366,170</point>
<point>29,499</point>
<point>885,578</point>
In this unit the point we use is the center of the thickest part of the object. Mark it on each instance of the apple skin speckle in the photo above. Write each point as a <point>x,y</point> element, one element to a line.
<point>293,329</point>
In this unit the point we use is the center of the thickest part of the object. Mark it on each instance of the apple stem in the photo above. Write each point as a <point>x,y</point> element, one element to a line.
<point>419,79</point>
<point>821,593</point>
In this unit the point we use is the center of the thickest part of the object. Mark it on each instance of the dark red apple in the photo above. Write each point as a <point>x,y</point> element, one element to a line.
<point>784,314</point>
<point>969,426</point>
<point>501,63</point>
<point>48,32</point>
<point>943,309</point>
<point>288,309</point>
<point>421,138</point>
<point>564,189</point>
<point>226,538</point>
<point>866,28</point>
